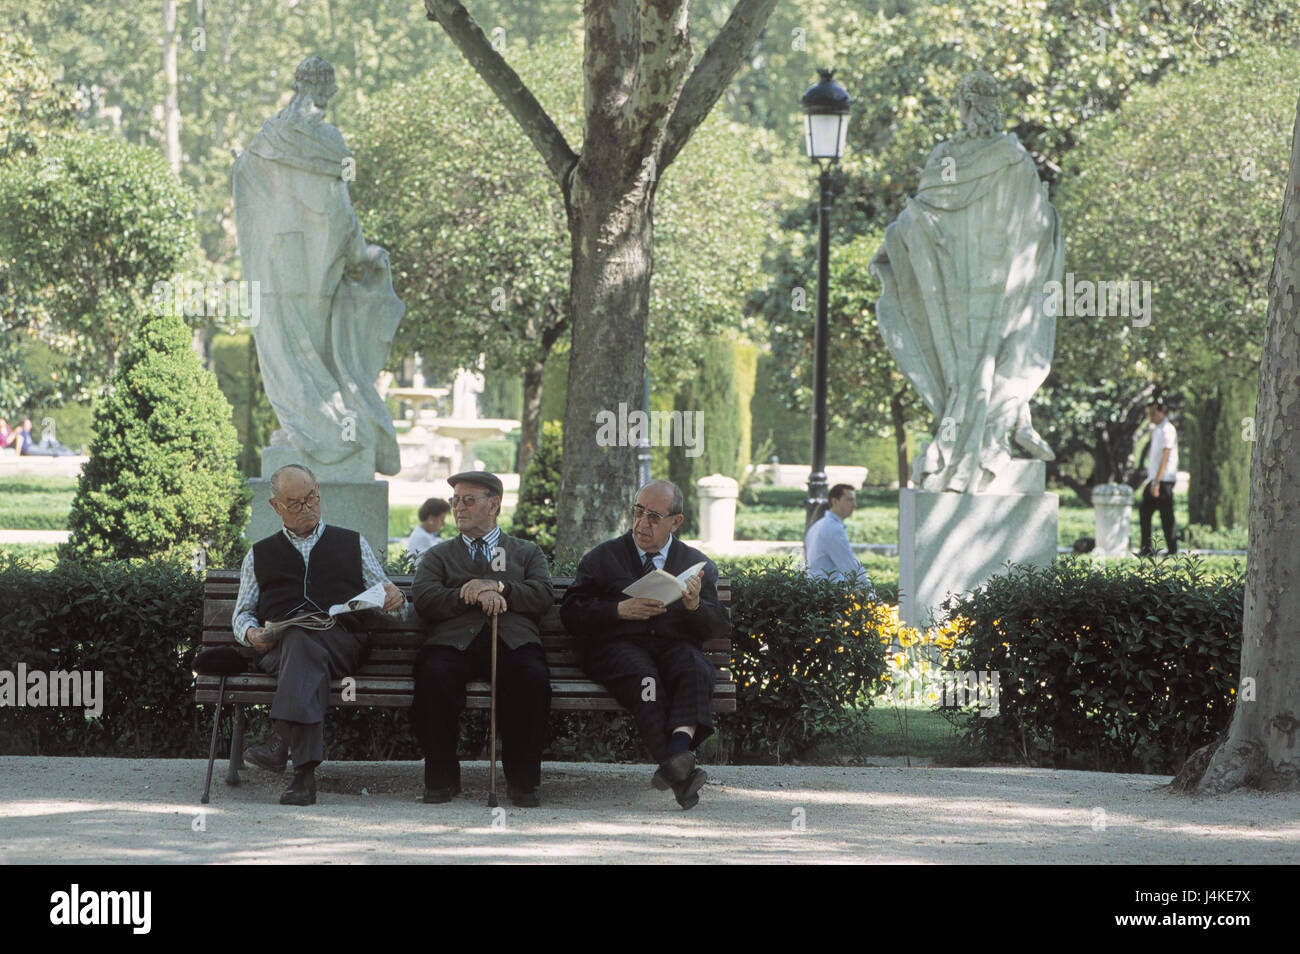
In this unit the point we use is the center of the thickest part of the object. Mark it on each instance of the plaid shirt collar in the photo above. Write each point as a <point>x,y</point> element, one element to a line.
<point>307,542</point>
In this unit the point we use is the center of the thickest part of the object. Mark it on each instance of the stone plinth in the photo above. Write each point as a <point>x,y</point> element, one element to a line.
<point>1112,506</point>
<point>361,506</point>
<point>952,543</point>
<point>717,494</point>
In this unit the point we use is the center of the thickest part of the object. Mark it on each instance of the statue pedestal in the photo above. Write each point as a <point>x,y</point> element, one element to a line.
<point>360,506</point>
<point>952,543</point>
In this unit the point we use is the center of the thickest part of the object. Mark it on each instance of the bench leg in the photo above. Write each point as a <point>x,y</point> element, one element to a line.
<point>236,747</point>
<point>212,749</point>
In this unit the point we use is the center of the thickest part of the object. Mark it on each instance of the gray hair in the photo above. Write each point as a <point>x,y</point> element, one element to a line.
<point>275,478</point>
<point>678,501</point>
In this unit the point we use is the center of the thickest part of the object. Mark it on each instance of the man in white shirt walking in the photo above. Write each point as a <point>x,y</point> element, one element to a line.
<point>826,544</point>
<point>1162,471</point>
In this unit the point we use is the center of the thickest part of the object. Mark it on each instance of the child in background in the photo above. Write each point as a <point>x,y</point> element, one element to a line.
<point>432,514</point>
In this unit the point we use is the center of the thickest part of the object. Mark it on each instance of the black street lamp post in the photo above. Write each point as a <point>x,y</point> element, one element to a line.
<point>826,123</point>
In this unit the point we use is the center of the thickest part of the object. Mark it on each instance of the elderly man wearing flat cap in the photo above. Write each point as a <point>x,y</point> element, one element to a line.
<point>460,584</point>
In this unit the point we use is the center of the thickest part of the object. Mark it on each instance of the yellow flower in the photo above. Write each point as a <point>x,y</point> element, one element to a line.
<point>900,660</point>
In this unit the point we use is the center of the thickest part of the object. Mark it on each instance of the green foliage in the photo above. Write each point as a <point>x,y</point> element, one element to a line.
<point>234,359</point>
<point>805,651</point>
<point>161,478</point>
<point>1058,62</point>
<point>498,456</point>
<point>1208,266</point>
<point>135,624</point>
<point>539,492</point>
<point>91,222</point>
<point>479,233</point>
<point>864,380</point>
<point>1118,668</point>
<point>32,104</point>
<point>36,503</point>
<point>719,398</point>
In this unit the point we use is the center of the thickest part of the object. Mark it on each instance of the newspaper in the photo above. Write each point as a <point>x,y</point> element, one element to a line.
<point>371,599</point>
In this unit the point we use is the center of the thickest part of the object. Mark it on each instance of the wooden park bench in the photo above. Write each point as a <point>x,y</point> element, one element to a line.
<point>385,679</point>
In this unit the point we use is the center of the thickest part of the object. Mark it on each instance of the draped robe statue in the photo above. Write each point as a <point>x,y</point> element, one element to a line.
<point>962,271</point>
<point>328,310</point>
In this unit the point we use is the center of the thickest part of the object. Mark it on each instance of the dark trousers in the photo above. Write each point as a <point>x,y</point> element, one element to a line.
<point>1165,504</point>
<point>303,662</point>
<point>523,704</point>
<point>663,683</point>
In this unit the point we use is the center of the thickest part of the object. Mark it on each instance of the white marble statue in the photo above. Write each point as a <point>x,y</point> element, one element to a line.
<point>962,271</point>
<point>328,311</point>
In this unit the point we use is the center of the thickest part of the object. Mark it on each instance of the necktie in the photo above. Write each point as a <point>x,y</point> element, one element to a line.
<point>480,554</point>
<point>649,563</point>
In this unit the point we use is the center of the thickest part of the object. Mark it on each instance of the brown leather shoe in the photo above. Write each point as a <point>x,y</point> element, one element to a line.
<point>302,791</point>
<point>272,755</point>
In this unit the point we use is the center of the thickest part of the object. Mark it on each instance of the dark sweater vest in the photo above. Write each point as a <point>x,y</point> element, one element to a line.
<point>287,587</point>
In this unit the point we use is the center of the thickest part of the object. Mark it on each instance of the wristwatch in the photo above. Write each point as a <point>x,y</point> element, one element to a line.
<point>501,587</point>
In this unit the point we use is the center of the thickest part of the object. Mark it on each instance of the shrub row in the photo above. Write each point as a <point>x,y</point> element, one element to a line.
<point>139,624</point>
<point>1117,668</point>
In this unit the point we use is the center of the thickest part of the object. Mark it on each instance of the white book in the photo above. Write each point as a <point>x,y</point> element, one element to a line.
<point>663,586</point>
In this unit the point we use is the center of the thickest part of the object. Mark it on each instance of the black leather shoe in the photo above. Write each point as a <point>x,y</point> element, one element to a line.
<point>687,792</point>
<point>272,755</point>
<point>674,770</point>
<point>302,791</point>
<point>440,794</point>
<point>524,797</point>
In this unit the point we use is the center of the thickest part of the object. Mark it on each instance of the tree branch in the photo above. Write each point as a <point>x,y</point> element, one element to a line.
<point>713,73</point>
<point>665,59</point>
<point>537,125</point>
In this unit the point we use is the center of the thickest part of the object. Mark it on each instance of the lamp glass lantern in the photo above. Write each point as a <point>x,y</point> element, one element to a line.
<point>826,118</point>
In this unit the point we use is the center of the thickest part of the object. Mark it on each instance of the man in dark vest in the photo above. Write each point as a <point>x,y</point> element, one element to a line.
<point>460,584</point>
<point>645,652</point>
<point>307,567</point>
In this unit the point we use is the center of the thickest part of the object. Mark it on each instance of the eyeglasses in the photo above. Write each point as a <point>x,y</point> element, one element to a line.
<point>298,506</point>
<point>468,500</point>
<point>654,516</point>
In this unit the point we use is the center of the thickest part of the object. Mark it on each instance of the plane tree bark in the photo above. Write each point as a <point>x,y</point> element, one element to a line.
<point>642,100</point>
<point>1261,748</point>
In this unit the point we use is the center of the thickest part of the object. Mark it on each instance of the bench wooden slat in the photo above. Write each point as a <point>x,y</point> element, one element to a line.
<point>386,680</point>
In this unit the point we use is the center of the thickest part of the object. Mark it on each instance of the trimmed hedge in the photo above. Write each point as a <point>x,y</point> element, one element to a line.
<point>1113,668</point>
<point>798,673</point>
<point>136,624</point>
<point>806,653</point>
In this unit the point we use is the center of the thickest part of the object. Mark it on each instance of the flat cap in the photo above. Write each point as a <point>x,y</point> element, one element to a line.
<point>481,477</point>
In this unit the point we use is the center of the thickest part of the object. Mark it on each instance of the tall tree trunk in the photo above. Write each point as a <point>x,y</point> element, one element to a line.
<point>530,431</point>
<point>900,438</point>
<point>171,101</point>
<point>612,248</point>
<point>642,99</point>
<point>1262,749</point>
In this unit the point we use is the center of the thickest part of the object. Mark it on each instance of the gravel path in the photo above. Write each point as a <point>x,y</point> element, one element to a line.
<point>146,811</point>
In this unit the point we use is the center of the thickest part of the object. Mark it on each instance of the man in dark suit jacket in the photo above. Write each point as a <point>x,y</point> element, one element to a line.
<point>647,654</point>
<point>460,584</point>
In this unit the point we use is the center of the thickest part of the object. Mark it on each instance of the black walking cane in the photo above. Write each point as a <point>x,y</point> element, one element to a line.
<point>492,724</point>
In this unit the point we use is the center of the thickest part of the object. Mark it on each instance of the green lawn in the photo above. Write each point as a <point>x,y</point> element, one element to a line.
<point>43,556</point>
<point>883,731</point>
<point>876,521</point>
<point>29,503</point>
